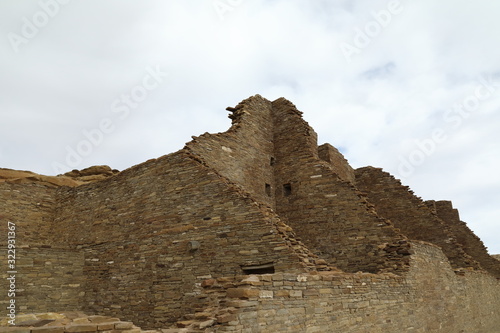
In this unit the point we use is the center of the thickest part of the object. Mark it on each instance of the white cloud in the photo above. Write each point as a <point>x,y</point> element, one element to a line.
<point>394,91</point>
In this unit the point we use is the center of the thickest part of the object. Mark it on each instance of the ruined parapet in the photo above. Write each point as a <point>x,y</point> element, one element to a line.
<point>338,162</point>
<point>470,242</point>
<point>244,153</point>
<point>410,214</point>
<point>71,179</point>
<point>93,173</point>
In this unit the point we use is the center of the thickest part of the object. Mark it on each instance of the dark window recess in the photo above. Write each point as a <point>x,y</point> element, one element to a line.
<point>207,218</point>
<point>259,269</point>
<point>268,189</point>
<point>287,189</point>
<point>272,161</point>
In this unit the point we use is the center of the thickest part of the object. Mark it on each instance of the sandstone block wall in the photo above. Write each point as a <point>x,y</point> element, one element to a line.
<point>245,153</point>
<point>471,244</point>
<point>151,234</point>
<point>70,321</point>
<point>337,161</point>
<point>31,208</point>
<point>46,278</point>
<point>162,242</point>
<point>273,153</point>
<point>410,214</point>
<point>328,212</point>
<point>429,298</point>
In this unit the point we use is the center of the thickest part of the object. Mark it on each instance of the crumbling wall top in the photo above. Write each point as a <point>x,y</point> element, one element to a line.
<point>71,179</point>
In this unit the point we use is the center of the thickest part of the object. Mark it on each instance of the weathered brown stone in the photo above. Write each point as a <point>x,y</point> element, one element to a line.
<point>123,325</point>
<point>243,293</point>
<point>81,328</point>
<point>105,326</point>
<point>208,283</point>
<point>225,318</point>
<point>185,323</point>
<point>16,329</point>
<point>206,323</point>
<point>50,330</point>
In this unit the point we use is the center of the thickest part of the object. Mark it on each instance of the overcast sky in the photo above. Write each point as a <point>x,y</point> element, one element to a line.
<point>409,86</point>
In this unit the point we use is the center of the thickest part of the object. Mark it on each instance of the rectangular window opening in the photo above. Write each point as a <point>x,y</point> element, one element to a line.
<point>272,161</point>
<point>287,189</point>
<point>268,190</point>
<point>259,269</point>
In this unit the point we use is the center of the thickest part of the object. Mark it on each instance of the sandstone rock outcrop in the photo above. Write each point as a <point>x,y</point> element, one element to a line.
<point>72,178</point>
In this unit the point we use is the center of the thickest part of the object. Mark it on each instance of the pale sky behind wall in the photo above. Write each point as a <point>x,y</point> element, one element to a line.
<point>409,86</point>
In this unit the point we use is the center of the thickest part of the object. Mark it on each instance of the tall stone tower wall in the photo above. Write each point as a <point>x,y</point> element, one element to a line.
<point>244,153</point>
<point>327,211</point>
<point>272,152</point>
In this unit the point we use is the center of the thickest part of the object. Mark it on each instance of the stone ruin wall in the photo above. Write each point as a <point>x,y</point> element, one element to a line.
<point>170,223</point>
<point>244,153</point>
<point>436,222</point>
<point>31,207</point>
<point>141,245</point>
<point>328,212</point>
<point>471,243</point>
<point>46,279</point>
<point>429,298</point>
<point>49,274</point>
<point>132,236</point>
<point>336,160</point>
<point>410,214</point>
<point>270,147</point>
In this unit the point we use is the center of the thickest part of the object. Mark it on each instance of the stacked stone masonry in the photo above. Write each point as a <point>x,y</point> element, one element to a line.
<point>257,229</point>
<point>471,244</point>
<point>429,298</point>
<point>410,214</point>
<point>74,321</point>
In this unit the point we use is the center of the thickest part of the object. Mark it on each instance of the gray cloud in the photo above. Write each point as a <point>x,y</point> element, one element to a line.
<point>409,70</point>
